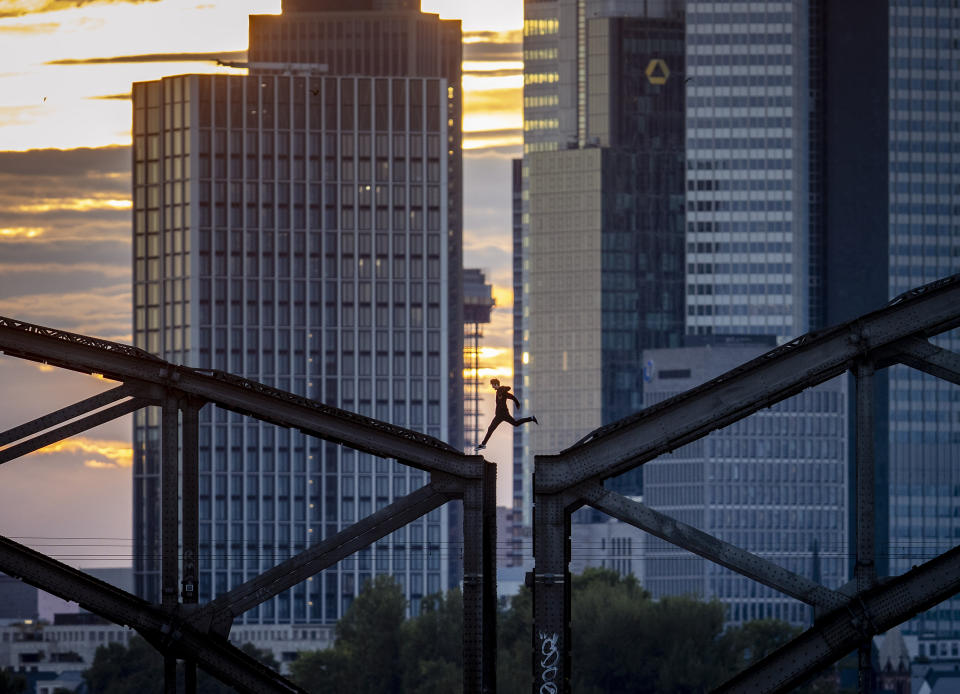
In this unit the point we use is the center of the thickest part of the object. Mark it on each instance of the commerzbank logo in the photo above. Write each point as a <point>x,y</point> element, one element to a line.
<point>657,71</point>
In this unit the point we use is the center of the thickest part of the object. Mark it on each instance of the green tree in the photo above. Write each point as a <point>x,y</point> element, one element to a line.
<point>11,683</point>
<point>432,650</point>
<point>365,658</point>
<point>759,638</point>
<point>514,643</point>
<point>138,669</point>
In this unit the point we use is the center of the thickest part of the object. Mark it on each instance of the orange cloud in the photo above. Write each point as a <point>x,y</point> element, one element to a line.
<point>74,204</point>
<point>21,232</point>
<point>118,453</point>
<point>18,8</point>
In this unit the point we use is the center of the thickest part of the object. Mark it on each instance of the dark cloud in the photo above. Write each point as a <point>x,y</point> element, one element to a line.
<point>118,97</point>
<point>491,134</point>
<point>66,162</point>
<point>225,56</point>
<point>503,72</point>
<point>61,195</point>
<point>15,8</point>
<point>493,51</point>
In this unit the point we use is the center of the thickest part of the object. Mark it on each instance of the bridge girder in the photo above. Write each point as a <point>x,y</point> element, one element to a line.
<point>198,634</point>
<point>897,333</point>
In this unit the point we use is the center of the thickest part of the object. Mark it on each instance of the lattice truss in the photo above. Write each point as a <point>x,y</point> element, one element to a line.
<point>198,634</point>
<point>182,629</point>
<point>566,481</point>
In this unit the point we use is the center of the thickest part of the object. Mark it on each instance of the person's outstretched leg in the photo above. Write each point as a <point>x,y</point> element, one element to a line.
<point>518,422</point>
<point>493,425</point>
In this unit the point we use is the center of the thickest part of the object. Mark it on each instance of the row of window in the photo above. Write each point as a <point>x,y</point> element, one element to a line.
<point>740,205</point>
<point>755,123</point>
<point>758,102</point>
<point>740,246</point>
<point>753,81</point>
<point>704,57</point>
<point>540,27</point>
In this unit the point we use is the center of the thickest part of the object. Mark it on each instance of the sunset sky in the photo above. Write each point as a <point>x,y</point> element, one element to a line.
<point>66,67</point>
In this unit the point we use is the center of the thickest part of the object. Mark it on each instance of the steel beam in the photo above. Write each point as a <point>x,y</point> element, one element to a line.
<point>480,584</point>
<point>698,542</point>
<point>190,536</point>
<point>936,361</point>
<point>71,429</point>
<point>772,377</point>
<point>64,415</point>
<point>551,594</point>
<point>122,362</point>
<point>865,568</point>
<point>169,502</point>
<point>190,495</point>
<point>217,615</point>
<point>834,635</point>
<point>164,630</point>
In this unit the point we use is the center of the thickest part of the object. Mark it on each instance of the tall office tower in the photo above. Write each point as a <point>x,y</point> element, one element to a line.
<point>750,139</point>
<point>774,483</point>
<point>521,482</point>
<point>821,175</point>
<point>300,226</point>
<point>602,245</point>
<point>893,172</point>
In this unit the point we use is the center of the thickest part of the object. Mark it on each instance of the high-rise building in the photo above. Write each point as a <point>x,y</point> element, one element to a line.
<point>301,226</point>
<point>822,172</point>
<point>602,212</point>
<point>774,483</point>
<point>892,176</point>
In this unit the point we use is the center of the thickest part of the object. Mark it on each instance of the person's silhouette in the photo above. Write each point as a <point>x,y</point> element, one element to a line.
<point>502,413</point>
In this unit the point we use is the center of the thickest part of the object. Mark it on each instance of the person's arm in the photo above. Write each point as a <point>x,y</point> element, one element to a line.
<point>514,398</point>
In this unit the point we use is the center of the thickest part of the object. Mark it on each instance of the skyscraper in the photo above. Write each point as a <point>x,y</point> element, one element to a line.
<point>774,484</point>
<point>602,199</point>
<point>301,226</point>
<point>892,176</point>
<point>822,157</point>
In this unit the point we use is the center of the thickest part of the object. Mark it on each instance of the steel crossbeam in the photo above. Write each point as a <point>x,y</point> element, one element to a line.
<point>698,542</point>
<point>64,414</point>
<point>927,357</point>
<point>772,377</point>
<point>217,615</point>
<point>563,482</point>
<point>179,629</point>
<point>71,429</point>
<point>114,361</point>
<point>165,630</point>
<point>872,612</point>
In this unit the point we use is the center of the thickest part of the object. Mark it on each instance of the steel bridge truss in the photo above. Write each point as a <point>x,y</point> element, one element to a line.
<point>179,627</point>
<point>566,481</point>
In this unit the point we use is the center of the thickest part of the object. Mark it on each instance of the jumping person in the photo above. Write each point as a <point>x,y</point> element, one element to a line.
<point>503,413</point>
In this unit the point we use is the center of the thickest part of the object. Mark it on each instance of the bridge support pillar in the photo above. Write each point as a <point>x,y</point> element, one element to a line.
<point>865,570</point>
<point>551,595</point>
<point>480,583</point>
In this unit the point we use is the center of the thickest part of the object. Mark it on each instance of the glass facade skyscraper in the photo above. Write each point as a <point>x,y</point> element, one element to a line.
<point>602,201</point>
<point>923,243</point>
<point>750,134</point>
<point>774,483</point>
<point>300,227</point>
<point>822,174</point>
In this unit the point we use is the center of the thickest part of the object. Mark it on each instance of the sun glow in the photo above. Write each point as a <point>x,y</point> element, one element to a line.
<point>118,453</point>
<point>21,232</point>
<point>72,204</point>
